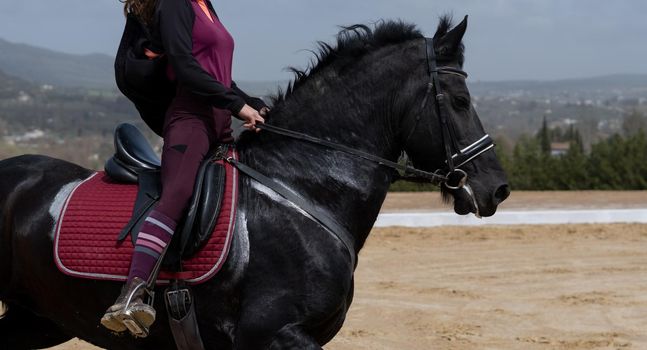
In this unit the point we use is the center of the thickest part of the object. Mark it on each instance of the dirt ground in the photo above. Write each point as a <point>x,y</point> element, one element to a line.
<point>500,287</point>
<point>516,287</point>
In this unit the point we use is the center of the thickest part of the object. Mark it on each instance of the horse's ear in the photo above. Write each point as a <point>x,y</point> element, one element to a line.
<point>449,42</point>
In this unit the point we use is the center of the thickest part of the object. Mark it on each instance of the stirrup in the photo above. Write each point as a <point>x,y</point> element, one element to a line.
<point>136,325</point>
<point>131,315</point>
<point>147,290</point>
<point>131,311</point>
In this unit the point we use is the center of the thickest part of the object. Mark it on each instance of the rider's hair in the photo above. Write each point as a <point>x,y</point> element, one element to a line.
<point>143,9</point>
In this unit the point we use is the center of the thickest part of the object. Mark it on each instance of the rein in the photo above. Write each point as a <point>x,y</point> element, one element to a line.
<point>409,172</point>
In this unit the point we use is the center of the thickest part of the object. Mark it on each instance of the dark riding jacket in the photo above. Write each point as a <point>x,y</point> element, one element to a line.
<point>144,81</point>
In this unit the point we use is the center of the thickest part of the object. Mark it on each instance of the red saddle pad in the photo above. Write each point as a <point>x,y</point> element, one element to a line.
<point>85,244</point>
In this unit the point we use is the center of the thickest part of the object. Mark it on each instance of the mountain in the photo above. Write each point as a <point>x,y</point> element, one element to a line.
<point>45,66</point>
<point>9,85</point>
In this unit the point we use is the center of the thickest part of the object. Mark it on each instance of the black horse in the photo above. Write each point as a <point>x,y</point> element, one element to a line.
<point>288,282</point>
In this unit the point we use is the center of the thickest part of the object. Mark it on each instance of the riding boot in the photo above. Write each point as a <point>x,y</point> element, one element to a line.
<point>130,312</point>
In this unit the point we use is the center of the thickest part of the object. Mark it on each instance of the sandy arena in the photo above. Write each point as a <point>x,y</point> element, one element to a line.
<point>513,287</point>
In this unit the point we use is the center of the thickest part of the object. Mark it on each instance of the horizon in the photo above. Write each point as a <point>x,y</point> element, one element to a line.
<point>287,80</point>
<point>507,40</point>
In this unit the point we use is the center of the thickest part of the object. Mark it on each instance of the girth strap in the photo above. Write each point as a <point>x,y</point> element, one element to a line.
<point>320,216</point>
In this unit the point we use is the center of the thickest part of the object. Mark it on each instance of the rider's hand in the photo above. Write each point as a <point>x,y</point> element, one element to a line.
<point>250,116</point>
<point>150,54</point>
<point>263,112</point>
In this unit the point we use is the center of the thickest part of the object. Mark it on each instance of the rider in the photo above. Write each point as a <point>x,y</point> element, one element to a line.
<point>199,51</point>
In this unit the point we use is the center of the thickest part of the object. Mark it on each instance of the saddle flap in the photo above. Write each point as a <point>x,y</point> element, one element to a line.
<point>202,214</point>
<point>210,203</point>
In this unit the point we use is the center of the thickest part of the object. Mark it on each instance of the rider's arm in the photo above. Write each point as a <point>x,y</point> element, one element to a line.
<point>175,19</point>
<point>254,102</point>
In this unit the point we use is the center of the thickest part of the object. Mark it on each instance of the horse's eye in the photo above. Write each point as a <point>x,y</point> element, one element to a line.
<point>461,102</point>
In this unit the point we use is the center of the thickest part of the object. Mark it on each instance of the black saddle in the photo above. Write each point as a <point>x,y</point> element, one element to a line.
<point>133,155</point>
<point>136,162</point>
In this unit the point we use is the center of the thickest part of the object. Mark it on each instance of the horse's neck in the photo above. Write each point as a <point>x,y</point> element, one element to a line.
<point>351,189</point>
<point>339,110</point>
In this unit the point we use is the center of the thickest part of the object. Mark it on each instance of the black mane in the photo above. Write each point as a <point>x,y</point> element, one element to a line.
<point>356,41</point>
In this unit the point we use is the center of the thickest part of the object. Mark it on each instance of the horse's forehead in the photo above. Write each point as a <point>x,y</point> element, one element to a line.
<point>454,84</point>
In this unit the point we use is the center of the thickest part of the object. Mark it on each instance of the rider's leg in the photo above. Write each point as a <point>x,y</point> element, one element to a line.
<point>152,240</point>
<point>187,140</point>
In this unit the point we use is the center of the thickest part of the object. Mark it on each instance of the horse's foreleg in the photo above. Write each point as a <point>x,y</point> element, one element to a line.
<point>21,329</point>
<point>270,324</point>
<point>293,337</point>
<point>290,337</point>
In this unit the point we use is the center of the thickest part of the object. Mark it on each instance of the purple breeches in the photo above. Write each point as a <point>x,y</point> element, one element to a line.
<point>191,129</point>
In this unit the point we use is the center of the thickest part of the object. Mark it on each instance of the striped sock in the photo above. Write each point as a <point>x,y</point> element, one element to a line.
<point>155,234</point>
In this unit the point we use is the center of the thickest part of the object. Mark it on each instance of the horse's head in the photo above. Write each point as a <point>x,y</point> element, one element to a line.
<point>447,126</point>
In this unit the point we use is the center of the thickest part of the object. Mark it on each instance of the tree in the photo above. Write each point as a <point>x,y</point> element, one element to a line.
<point>527,171</point>
<point>633,122</point>
<point>603,164</point>
<point>572,169</point>
<point>634,161</point>
<point>504,152</point>
<point>544,137</point>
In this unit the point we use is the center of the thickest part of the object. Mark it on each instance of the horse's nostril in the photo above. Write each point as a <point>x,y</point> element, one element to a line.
<point>501,193</point>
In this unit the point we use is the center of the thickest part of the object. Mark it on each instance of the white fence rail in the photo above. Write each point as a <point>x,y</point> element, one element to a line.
<point>539,217</point>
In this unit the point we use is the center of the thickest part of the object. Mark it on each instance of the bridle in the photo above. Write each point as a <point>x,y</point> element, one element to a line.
<point>451,176</point>
<point>455,157</point>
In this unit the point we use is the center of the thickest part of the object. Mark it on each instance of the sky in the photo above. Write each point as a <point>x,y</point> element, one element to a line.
<point>505,40</point>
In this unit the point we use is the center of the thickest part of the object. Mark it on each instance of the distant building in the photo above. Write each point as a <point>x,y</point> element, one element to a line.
<point>562,123</point>
<point>558,149</point>
<point>23,97</point>
<point>26,137</point>
<point>610,125</point>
